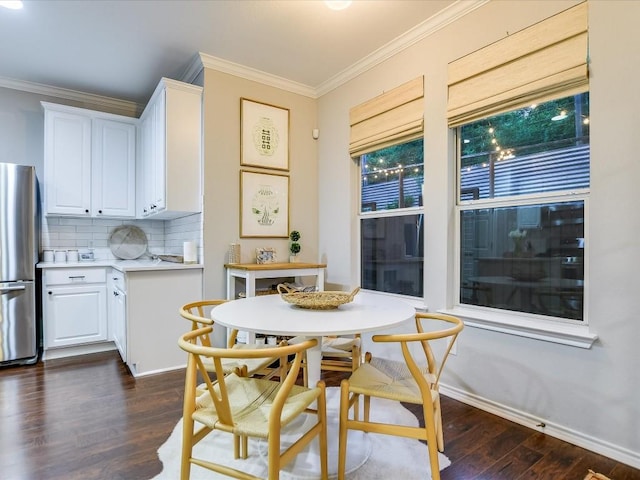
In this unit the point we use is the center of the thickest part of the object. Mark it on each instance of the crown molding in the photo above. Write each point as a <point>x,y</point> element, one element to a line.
<point>440,20</point>
<point>225,66</point>
<point>113,105</point>
<point>193,69</point>
<point>419,32</point>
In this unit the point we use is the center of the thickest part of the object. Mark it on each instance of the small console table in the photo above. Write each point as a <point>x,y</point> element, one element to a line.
<point>253,271</point>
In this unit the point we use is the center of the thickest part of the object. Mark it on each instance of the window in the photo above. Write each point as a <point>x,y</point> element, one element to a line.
<point>523,184</point>
<point>391,219</point>
<point>520,107</point>
<point>386,138</point>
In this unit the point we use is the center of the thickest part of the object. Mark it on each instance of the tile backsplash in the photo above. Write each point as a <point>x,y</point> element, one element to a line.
<point>164,236</point>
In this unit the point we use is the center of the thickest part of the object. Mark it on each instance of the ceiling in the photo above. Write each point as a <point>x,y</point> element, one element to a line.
<point>120,49</point>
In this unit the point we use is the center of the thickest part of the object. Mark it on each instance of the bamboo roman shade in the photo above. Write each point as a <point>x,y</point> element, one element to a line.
<point>545,61</point>
<point>396,116</point>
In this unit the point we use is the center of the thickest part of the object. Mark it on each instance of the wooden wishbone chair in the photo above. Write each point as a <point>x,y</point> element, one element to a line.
<point>248,406</point>
<point>198,313</point>
<point>410,381</point>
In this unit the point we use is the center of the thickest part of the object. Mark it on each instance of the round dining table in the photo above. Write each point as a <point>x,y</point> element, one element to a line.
<point>271,315</point>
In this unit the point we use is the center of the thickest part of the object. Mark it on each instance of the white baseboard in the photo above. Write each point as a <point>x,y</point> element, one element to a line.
<point>569,435</point>
<point>137,374</point>
<point>63,352</point>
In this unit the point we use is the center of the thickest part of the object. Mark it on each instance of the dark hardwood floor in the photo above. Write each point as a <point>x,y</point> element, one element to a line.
<point>86,418</point>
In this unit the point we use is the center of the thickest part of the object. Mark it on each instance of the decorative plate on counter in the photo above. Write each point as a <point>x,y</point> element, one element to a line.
<point>128,242</point>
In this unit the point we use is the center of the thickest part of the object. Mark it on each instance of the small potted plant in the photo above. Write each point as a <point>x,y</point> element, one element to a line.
<point>294,246</point>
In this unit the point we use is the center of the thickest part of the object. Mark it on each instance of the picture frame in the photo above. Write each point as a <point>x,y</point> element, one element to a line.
<point>266,255</point>
<point>264,205</point>
<point>264,135</point>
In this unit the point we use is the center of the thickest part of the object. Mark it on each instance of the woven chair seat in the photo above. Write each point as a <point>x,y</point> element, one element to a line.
<point>388,379</point>
<point>254,365</point>
<point>250,400</point>
<point>339,346</point>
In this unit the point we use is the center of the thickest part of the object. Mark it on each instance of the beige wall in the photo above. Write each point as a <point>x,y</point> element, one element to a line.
<point>590,397</point>
<point>222,93</point>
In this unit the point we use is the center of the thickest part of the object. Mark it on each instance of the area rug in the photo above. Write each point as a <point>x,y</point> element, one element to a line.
<point>371,456</point>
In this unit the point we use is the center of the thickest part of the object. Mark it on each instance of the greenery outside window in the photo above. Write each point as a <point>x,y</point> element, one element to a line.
<point>391,219</point>
<point>523,187</point>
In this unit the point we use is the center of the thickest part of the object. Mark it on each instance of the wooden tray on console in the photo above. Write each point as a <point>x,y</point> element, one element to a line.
<point>327,300</point>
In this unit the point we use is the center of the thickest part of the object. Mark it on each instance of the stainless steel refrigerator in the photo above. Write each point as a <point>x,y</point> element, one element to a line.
<point>19,341</point>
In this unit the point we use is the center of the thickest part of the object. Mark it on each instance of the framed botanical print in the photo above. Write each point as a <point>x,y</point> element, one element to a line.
<point>264,135</point>
<point>264,205</point>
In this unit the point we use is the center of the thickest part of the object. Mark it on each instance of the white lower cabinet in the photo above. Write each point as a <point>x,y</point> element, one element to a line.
<point>75,306</point>
<point>91,309</point>
<point>153,322</point>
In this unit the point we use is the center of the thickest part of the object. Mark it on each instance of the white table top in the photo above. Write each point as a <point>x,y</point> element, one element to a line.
<point>270,314</point>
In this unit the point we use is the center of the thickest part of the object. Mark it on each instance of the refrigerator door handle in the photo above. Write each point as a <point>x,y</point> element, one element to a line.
<point>9,289</point>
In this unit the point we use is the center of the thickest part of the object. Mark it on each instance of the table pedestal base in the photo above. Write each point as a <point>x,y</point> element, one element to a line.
<point>306,465</point>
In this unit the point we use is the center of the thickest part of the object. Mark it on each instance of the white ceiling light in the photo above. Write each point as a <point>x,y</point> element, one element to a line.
<point>337,4</point>
<point>12,4</point>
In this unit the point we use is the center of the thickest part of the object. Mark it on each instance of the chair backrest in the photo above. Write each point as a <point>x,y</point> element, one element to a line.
<point>217,388</point>
<point>424,336</point>
<point>198,314</point>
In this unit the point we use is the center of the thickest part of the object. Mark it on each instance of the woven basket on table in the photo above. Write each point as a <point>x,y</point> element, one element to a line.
<point>327,300</point>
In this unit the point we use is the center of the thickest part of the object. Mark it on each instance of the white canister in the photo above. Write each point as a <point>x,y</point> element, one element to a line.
<point>190,252</point>
<point>72,256</point>
<point>60,256</point>
<point>47,256</point>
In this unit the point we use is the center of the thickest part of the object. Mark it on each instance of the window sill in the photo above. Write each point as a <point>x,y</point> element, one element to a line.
<point>526,326</point>
<point>415,302</point>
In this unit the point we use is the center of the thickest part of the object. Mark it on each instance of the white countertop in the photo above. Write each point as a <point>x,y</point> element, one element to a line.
<point>124,265</point>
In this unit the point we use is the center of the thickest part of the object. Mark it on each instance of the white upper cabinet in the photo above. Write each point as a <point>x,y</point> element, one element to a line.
<point>169,152</point>
<point>89,163</point>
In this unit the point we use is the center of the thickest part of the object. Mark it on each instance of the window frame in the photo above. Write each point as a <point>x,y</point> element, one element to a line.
<point>552,329</point>
<point>417,302</point>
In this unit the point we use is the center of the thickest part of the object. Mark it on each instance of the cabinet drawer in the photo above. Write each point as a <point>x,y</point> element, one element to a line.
<point>69,276</point>
<point>116,279</point>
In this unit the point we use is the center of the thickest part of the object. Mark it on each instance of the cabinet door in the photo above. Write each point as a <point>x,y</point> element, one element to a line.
<point>183,138</point>
<point>150,156</point>
<point>159,177</point>
<point>67,163</point>
<point>118,320</point>
<point>113,168</point>
<point>75,315</point>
